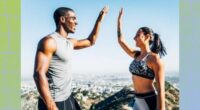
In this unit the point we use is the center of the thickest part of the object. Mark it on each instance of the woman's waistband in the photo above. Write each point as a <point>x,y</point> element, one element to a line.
<point>145,95</point>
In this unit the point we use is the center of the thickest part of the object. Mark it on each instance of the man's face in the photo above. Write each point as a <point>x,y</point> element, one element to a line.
<point>70,22</point>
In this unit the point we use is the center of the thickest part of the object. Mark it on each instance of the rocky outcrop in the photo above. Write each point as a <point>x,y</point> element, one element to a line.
<point>172,97</point>
<point>91,100</point>
<point>29,101</point>
<point>124,99</point>
<point>117,101</point>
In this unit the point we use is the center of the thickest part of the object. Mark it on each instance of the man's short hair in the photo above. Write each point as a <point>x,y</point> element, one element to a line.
<point>60,12</point>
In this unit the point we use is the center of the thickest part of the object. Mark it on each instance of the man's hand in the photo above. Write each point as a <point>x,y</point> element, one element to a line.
<point>103,12</point>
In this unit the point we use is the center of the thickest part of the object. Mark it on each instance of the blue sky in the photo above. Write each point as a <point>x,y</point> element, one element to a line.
<point>106,56</point>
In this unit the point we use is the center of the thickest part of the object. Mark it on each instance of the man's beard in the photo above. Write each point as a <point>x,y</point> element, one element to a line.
<point>68,30</point>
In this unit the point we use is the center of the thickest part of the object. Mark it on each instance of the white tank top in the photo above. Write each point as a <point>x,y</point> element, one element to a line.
<point>60,72</point>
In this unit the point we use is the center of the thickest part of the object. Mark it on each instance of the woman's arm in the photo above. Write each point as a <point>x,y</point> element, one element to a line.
<point>158,68</point>
<point>121,40</point>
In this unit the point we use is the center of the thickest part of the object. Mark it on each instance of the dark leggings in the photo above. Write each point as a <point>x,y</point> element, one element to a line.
<point>68,104</point>
<point>145,101</point>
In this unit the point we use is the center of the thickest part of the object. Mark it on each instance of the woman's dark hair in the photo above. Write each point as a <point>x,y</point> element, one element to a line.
<point>60,12</point>
<point>155,43</point>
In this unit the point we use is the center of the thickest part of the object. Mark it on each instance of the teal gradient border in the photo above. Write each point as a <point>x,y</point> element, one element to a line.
<point>189,54</point>
<point>10,55</point>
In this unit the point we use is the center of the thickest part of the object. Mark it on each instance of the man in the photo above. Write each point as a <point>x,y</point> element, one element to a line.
<point>52,71</point>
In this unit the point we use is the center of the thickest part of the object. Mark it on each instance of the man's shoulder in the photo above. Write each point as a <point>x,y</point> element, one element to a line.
<point>47,39</point>
<point>47,42</point>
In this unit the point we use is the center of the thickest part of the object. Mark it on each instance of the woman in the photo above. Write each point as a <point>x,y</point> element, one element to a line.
<point>146,67</point>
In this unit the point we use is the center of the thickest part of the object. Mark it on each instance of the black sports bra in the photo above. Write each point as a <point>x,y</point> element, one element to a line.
<point>140,68</point>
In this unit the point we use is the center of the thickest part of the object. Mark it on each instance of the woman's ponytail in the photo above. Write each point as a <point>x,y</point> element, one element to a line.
<point>157,45</point>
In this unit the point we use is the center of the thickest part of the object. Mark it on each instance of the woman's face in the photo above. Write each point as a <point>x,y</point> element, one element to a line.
<point>139,38</point>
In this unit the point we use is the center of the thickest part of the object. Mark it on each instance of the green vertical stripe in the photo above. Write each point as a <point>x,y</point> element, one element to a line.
<point>10,55</point>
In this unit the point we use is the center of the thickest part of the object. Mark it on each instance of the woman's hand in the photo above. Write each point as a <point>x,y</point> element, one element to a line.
<point>121,12</point>
<point>119,32</point>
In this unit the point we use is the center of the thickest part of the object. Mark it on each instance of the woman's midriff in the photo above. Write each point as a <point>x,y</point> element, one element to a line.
<point>142,85</point>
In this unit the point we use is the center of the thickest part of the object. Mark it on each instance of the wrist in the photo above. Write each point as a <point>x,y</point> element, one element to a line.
<point>99,21</point>
<point>50,104</point>
<point>119,34</point>
<point>100,17</point>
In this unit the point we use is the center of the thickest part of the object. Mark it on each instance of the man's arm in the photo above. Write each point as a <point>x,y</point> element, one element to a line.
<point>79,44</point>
<point>46,48</point>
